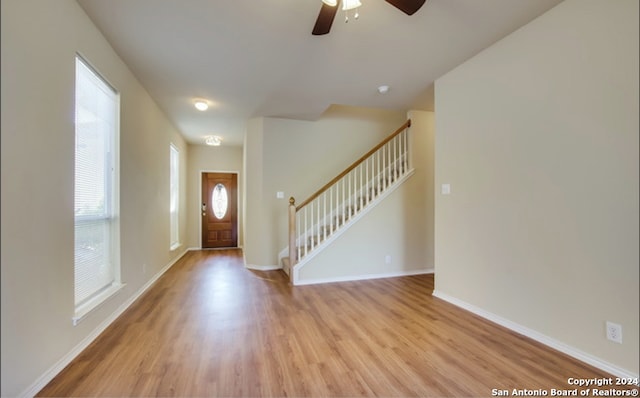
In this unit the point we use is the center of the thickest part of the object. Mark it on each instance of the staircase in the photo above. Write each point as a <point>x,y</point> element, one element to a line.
<point>320,219</point>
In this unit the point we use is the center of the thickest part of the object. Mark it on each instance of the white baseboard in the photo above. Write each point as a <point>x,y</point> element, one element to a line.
<point>539,337</point>
<point>43,380</point>
<point>259,267</point>
<point>262,267</point>
<point>351,278</point>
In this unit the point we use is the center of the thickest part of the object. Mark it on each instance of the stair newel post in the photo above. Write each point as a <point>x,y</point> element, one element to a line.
<point>293,252</point>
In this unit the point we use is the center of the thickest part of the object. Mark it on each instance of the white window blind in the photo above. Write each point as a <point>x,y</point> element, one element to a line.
<point>96,128</point>
<point>174,160</point>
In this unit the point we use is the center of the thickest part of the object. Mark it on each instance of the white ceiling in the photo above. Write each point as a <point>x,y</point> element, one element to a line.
<point>254,58</point>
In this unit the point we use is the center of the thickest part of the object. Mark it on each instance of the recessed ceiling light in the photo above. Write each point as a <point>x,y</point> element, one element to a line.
<point>383,89</point>
<point>201,105</point>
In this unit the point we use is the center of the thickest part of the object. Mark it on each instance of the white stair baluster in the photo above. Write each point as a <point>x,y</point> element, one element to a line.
<point>377,175</point>
<point>392,158</point>
<point>366,176</point>
<point>355,190</point>
<point>324,217</point>
<point>298,231</point>
<point>394,171</point>
<point>339,204</point>
<point>404,152</point>
<point>361,187</point>
<point>348,177</point>
<point>343,202</point>
<point>384,169</point>
<point>330,191</point>
<point>389,172</point>
<point>305,241</point>
<point>407,140</point>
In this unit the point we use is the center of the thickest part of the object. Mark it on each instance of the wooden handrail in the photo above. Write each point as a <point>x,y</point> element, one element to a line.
<point>319,192</point>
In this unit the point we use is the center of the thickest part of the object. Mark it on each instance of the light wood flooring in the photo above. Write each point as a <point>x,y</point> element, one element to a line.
<point>210,327</point>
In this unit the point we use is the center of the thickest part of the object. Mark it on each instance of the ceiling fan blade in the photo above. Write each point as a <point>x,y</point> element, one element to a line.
<point>325,19</point>
<point>409,7</point>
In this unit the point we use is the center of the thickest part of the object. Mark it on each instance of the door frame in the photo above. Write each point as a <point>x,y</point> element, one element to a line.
<point>199,206</point>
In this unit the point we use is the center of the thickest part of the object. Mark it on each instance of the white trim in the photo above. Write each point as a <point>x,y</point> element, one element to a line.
<point>259,267</point>
<point>173,149</point>
<point>262,267</point>
<point>83,310</point>
<point>539,337</point>
<point>305,260</point>
<point>53,371</point>
<point>111,198</point>
<point>283,253</point>
<point>352,278</point>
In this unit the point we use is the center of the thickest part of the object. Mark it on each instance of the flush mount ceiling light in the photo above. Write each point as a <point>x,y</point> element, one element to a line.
<point>213,140</point>
<point>201,105</point>
<point>383,89</point>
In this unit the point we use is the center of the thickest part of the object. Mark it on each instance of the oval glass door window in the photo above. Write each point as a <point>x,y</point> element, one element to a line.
<point>219,199</point>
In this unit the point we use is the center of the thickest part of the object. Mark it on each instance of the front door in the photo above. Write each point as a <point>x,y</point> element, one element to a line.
<point>219,210</point>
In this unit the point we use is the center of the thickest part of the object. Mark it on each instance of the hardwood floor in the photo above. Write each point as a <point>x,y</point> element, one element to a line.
<point>210,327</point>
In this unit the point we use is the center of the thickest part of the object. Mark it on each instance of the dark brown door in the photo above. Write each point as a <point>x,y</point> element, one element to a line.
<point>219,210</point>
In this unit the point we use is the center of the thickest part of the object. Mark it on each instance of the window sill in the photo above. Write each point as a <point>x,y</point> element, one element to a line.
<point>86,308</point>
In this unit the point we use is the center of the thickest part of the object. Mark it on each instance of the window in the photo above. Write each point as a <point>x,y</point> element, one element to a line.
<point>220,201</point>
<point>174,160</point>
<point>96,265</point>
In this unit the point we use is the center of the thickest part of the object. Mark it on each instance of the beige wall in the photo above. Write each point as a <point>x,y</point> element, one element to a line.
<point>218,159</point>
<point>254,226</point>
<point>420,201</point>
<point>298,157</point>
<point>401,226</point>
<point>39,41</point>
<point>538,137</point>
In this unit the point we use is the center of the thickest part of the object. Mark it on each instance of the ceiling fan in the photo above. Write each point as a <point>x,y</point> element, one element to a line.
<point>330,8</point>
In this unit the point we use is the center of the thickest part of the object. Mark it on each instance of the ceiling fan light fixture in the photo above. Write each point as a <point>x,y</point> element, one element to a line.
<point>329,9</point>
<point>350,4</point>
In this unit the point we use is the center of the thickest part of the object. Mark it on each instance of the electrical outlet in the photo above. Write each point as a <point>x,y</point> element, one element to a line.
<point>144,268</point>
<point>614,332</point>
<point>387,259</point>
